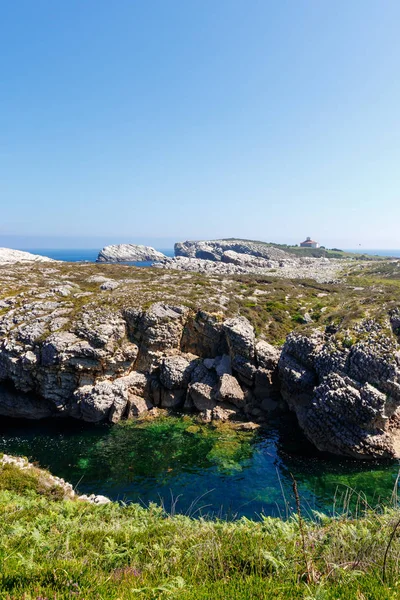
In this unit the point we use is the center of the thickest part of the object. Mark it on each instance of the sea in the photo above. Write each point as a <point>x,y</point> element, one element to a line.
<point>80,254</point>
<point>377,252</point>
<point>90,255</point>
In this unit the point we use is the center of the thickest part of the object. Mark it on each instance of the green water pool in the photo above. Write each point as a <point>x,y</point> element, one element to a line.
<point>200,470</point>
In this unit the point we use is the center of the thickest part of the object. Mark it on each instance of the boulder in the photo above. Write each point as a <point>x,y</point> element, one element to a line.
<point>267,356</point>
<point>244,369</point>
<point>137,406</point>
<point>202,396</point>
<point>229,390</point>
<point>224,413</point>
<point>176,371</point>
<point>240,337</point>
<point>203,336</point>
<point>103,401</point>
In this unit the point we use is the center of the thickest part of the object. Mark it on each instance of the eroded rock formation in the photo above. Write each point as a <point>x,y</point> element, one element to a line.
<point>346,395</point>
<point>120,366</point>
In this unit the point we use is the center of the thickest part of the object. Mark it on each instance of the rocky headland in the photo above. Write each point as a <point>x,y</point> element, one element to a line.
<point>228,257</point>
<point>235,256</point>
<point>7,256</point>
<point>110,342</point>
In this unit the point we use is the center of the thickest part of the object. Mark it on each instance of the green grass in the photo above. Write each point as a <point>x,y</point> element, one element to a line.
<point>59,549</point>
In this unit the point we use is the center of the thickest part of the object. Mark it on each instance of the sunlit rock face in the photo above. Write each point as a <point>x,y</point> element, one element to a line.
<point>115,365</point>
<point>9,256</point>
<point>129,253</point>
<point>346,395</point>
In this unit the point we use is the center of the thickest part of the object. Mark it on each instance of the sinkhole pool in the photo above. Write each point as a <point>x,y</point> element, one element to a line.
<point>200,469</point>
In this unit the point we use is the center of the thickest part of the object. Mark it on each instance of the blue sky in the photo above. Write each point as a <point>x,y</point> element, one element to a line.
<point>191,119</point>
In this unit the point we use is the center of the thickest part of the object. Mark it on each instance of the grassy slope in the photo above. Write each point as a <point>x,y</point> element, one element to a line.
<point>71,549</point>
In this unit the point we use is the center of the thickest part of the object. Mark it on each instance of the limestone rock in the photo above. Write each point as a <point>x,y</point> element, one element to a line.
<point>224,413</point>
<point>229,390</point>
<point>267,355</point>
<point>240,336</point>
<point>203,336</point>
<point>137,406</point>
<point>129,253</point>
<point>7,255</point>
<point>346,400</point>
<point>103,401</point>
<point>176,371</point>
<point>202,396</point>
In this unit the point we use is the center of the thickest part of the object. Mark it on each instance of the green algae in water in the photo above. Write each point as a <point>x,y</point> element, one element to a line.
<point>199,469</point>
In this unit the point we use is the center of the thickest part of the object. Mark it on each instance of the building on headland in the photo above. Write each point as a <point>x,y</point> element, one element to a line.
<point>309,243</point>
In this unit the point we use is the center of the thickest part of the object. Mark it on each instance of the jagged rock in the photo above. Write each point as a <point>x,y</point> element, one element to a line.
<point>201,374</point>
<point>214,250</point>
<point>7,255</point>
<point>224,413</point>
<point>229,257</point>
<point>157,330</point>
<point>109,285</point>
<point>176,371</point>
<point>223,365</point>
<point>95,499</point>
<point>240,336</point>
<point>246,260</point>
<point>137,405</point>
<point>203,336</point>
<point>229,390</point>
<point>345,399</point>
<point>129,253</point>
<point>103,401</point>
<point>267,355</point>
<point>244,369</point>
<point>202,396</point>
<point>172,398</point>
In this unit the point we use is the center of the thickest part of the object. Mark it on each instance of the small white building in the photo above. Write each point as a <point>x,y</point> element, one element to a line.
<point>309,243</point>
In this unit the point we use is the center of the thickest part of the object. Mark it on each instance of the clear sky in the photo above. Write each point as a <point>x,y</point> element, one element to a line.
<point>150,120</point>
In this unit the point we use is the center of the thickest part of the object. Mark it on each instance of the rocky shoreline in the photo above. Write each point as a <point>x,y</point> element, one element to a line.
<point>228,257</point>
<point>78,344</point>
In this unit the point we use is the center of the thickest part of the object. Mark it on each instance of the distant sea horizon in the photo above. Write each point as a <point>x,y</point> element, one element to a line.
<point>79,254</point>
<point>376,252</point>
<point>90,255</point>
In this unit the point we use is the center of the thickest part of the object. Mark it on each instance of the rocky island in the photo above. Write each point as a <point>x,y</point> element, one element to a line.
<point>231,257</point>
<point>129,253</point>
<point>110,342</point>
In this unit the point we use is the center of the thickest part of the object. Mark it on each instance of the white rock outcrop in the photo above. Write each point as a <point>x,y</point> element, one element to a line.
<point>129,253</point>
<point>8,255</point>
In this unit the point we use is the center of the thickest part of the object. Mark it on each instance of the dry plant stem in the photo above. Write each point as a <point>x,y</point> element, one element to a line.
<point>388,548</point>
<point>309,569</point>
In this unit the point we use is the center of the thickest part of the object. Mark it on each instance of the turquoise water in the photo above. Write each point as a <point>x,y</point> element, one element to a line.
<point>198,470</point>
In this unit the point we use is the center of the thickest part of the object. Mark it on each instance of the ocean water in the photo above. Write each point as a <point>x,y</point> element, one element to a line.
<point>390,253</point>
<point>90,255</point>
<point>197,470</point>
<point>79,255</point>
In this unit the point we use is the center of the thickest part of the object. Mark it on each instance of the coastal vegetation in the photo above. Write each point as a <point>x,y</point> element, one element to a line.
<point>275,306</point>
<point>58,549</point>
<point>52,547</point>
